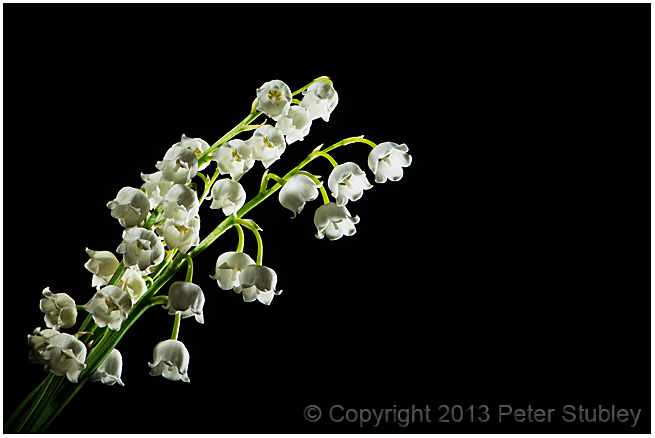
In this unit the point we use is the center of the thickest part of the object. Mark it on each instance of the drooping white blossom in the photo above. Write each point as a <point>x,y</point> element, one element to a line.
<point>234,158</point>
<point>141,249</point>
<point>103,265</point>
<point>228,195</point>
<point>334,221</point>
<point>320,99</point>
<point>60,311</point>
<point>387,160</point>
<point>130,207</point>
<point>257,283</point>
<point>228,267</point>
<point>273,99</point>
<point>38,341</point>
<point>65,355</point>
<point>347,182</point>
<point>186,298</point>
<point>156,187</point>
<point>179,165</point>
<point>297,191</point>
<point>296,124</point>
<point>109,371</point>
<point>182,237</point>
<point>133,283</point>
<point>268,145</point>
<point>109,307</point>
<point>180,204</point>
<point>171,360</point>
<point>197,145</point>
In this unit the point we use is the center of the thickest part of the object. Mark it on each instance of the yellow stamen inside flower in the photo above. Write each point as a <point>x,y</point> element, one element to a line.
<point>111,306</point>
<point>182,229</point>
<point>274,94</point>
<point>235,154</point>
<point>345,181</point>
<point>268,143</point>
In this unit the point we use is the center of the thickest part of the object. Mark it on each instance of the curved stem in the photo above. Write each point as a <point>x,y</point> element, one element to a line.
<point>176,326</point>
<point>324,154</point>
<point>189,269</point>
<point>240,233</point>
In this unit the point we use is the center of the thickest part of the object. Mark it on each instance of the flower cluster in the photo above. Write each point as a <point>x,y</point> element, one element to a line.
<point>161,226</point>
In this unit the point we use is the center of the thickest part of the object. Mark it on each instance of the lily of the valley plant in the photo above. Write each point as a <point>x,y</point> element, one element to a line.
<point>161,234</point>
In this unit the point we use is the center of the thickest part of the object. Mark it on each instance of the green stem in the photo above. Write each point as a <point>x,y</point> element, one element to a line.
<point>252,226</point>
<point>176,326</point>
<point>324,154</point>
<point>241,239</point>
<point>189,269</point>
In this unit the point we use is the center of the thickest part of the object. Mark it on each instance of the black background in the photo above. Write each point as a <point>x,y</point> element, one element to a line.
<point>510,265</point>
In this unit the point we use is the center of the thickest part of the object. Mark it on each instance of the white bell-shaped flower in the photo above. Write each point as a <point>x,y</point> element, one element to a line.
<point>38,341</point>
<point>133,283</point>
<point>273,99</point>
<point>197,145</point>
<point>228,267</point>
<point>171,360</point>
<point>60,311</point>
<point>267,144</point>
<point>141,249</point>
<point>296,124</point>
<point>347,182</point>
<point>257,283</point>
<point>109,307</point>
<point>234,158</point>
<point>179,165</point>
<point>334,221</point>
<point>156,187</point>
<point>387,160</point>
<point>65,355</point>
<point>297,191</point>
<point>228,195</point>
<point>109,371</point>
<point>182,237</point>
<point>320,99</point>
<point>103,265</point>
<point>180,204</point>
<point>186,298</point>
<point>130,207</point>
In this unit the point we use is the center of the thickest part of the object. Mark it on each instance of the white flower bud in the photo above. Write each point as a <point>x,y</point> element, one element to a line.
<point>130,207</point>
<point>171,359</point>
<point>334,221</point>
<point>186,298</point>
<point>109,371</point>
<point>103,265</point>
<point>273,99</point>
<point>257,283</point>
<point>228,195</point>
<point>320,99</point>
<point>228,267</point>
<point>109,307</point>
<point>268,145</point>
<point>234,158</point>
<point>141,249</point>
<point>156,187</point>
<point>387,160</point>
<point>297,191</point>
<point>182,237</point>
<point>38,341</point>
<point>296,124</point>
<point>60,311</point>
<point>197,145</point>
<point>179,165</point>
<point>132,283</point>
<point>65,355</point>
<point>347,183</point>
<point>180,204</point>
